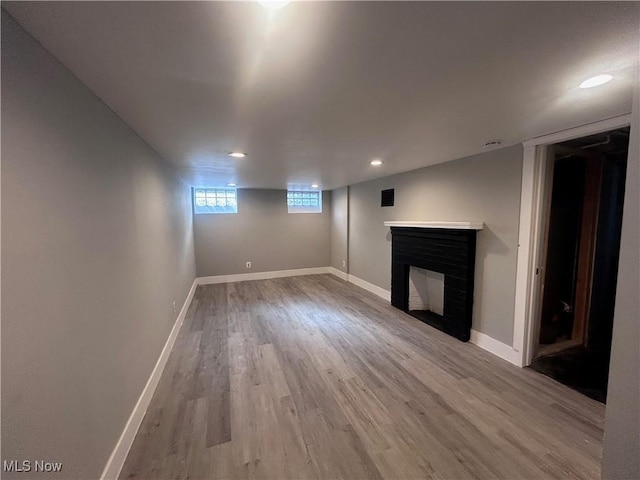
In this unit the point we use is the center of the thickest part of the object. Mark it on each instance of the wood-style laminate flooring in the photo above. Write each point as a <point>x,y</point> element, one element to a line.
<point>313,377</point>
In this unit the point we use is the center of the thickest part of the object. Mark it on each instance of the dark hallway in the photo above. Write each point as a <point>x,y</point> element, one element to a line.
<point>583,249</point>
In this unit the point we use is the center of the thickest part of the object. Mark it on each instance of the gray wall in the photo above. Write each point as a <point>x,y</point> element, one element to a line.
<point>340,229</point>
<point>263,233</point>
<point>484,188</point>
<point>621,456</point>
<point>97,243</point>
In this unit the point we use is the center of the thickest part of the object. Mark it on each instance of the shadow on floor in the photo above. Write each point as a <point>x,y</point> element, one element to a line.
<point>579,368</point>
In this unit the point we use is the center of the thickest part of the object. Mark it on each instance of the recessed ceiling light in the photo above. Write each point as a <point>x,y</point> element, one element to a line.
<point>596,81</point>
<point>231,184</point>
<point>375,163</point>
<point>237,154</point>
<point>314,185</point>
<point>274,4</point>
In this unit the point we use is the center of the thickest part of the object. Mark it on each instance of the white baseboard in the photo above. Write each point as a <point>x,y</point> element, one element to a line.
<point>477,338</point>
<point>379,291</point>
<point>119,455</point>
<point>499,349</point>
<point>339,273</point>
<point>240,277</point>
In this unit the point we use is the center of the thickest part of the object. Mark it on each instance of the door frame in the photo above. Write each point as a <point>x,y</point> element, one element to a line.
<point>534,199</point>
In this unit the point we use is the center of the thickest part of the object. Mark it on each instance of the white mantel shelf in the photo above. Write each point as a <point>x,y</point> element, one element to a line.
<point>452,225</point>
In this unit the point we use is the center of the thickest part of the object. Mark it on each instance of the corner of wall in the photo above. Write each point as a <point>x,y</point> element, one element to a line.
<point>621,444</point>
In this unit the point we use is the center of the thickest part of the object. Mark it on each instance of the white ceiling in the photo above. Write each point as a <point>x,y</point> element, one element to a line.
<point>315,92</point>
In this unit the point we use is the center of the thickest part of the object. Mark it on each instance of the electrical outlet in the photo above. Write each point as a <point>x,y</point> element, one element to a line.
<point>344,264</point>
<point>248,265</point>
<point>174,306</point>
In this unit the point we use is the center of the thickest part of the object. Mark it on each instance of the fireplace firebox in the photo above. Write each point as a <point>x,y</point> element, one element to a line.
<point>446,248</point>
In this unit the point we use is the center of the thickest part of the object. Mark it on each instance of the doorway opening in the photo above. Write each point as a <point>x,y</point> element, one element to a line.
<point>586,178</point>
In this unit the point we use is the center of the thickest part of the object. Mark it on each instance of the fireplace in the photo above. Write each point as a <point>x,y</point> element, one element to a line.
<point>423,252</point>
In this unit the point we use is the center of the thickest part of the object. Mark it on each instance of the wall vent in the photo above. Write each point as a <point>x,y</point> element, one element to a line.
<point>386,198</point>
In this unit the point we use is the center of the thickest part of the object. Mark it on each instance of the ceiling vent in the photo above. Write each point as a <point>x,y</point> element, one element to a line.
<point>492,144</point>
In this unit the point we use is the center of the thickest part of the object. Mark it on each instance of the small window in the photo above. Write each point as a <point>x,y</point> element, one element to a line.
<point>304,202</point>
<point>215,200</point>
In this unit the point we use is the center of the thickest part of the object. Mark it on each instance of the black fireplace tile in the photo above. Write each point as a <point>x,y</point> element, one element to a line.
<point>450,252</point>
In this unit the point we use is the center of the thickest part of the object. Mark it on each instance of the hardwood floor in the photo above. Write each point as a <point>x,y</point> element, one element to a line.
<point>312,377</point>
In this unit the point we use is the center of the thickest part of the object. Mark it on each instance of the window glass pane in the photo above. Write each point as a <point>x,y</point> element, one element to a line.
<point>299,201</point>
<point>214,200</point>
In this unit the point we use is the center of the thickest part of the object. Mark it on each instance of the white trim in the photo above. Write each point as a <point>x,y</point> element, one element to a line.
<point>529,248</point>
<point>339,273</point>
<point>119,455</point>
<point>581,131</point>
<point>241,277</point>
<point>524,245</point>
<point>532,226</point>
<point>479,339</point>
<point>451,225</point>
<point>376,290</point>
<point>495,347</point>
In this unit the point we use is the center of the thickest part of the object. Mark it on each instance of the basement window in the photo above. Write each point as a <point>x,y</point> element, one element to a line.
<point>215,200</point>
<point>304,202</point>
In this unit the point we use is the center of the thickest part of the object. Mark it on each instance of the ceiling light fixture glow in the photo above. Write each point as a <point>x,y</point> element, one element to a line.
<point>314,185</point>
<point>237,154</point>
<point>231,184</point>
<point>274,4</point>
<point>596,81</point>
<point>376,163</point>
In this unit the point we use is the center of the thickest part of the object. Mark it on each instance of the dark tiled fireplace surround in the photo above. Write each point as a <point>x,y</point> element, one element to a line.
<point>450,251</point>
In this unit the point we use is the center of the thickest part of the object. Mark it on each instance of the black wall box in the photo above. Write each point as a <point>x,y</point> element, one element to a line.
<point>386,198</point>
